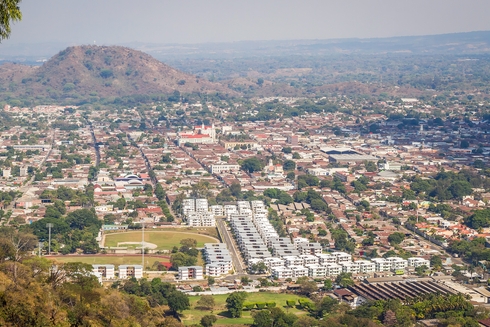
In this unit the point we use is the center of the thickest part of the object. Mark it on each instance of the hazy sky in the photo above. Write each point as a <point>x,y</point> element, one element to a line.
<point>197,21</point>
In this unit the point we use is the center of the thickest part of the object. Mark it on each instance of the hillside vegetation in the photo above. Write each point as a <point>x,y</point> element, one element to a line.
<point>94,72</point>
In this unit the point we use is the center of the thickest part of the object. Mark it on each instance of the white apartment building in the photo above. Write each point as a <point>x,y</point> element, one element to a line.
<point>217,210</point>
<point>201,219</point>
<point>326,258</point>
<point>317,271</point>
<point>274,262</point>
<point>350,267</point>
<point>7,172</point>
<point>197,213</point>
<point>388,264</point>
<point>380,264</point>
<point>130,271</point>
<point>333,269</point>
<point>290,261</point>
<point>309,248</point>
<point>342,257</point>
<point>105,271</point>
<point>366,267</point>
<point>218,259</point>
<point>418,262</point>
<point>224,167</point>
<point>190,272</point>
<point>299,240</point>
<point>282,272</point>
<point>397,263</point>
<point>218,269</point>
<point>309,259</point>
<point>299,271</point>
<point>229,209</point>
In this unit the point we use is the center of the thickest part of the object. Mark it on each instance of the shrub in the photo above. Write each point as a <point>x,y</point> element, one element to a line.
<point>290,303</point>
<point>249,306</point>
<point>260,305</point>
<point>271,304</point>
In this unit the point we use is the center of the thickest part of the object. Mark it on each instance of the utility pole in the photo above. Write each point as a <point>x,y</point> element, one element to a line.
<point>49,225</point>
<point>40,244</point>
<point>143,245</point>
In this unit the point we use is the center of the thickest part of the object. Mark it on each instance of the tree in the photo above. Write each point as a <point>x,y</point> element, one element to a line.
<point>327,284</point>
<point>178,301</point>
<point>234,303</point>
<point>208,320</point>
<point>370,166</point>
<point>436,261</point>
<point>180,259</point>
<point>325,305</point>
<point>206,302</point>
<point>421,270</point>
<point>9,12</point>
<point>319,205</point>
<point>308,287</point>
<point>159,192</point>
<point>188,242</point>
<point>296,155</point>
<point>251,165</point>
<point>262,318</point>
<point>305,321</point>
<point>289,165</point>
<point>344,279</point>
<point>236,189</point>
<point>396,238</point>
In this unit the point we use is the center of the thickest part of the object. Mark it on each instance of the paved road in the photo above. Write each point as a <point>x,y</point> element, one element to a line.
<point>24,188</point>
<point>230,243</point>
<point>433,246</point>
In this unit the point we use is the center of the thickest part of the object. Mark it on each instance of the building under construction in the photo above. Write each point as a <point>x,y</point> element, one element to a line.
<point>399,290</point>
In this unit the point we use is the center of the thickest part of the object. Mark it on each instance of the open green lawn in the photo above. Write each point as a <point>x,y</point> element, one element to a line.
<point>109,259</point>
<point>211,231</point>
<point>164,240</point>
<point>193,315</point>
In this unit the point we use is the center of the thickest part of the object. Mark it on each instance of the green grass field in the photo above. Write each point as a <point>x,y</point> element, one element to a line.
<point>193,315</point>
<point>107,260</point>
<point>164,240</point>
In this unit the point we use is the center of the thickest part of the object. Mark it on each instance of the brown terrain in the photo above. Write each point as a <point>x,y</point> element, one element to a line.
<point>100,71</point>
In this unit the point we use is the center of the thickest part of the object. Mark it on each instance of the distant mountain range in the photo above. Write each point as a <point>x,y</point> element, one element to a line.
<point>455,43</point>
<point>99,71</point>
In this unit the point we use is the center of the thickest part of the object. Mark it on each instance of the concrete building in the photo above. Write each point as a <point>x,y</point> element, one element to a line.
<point>7,172</point>
<point>317,271</point>
<point>342,257</point>
<point>23,171</point>
<point>389,264</point>
<point>224,167</point>
<point>310,248</point>
<point>218,259</point>
<point>190,272</point>
<point>418,262</point>
<point>197,213</point>
<point>130,271</point>
<point>366,267</point>
<point>282,272</point>
<point>105,271</point>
